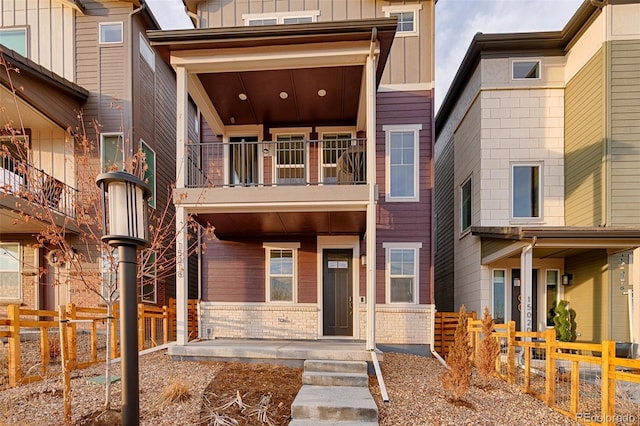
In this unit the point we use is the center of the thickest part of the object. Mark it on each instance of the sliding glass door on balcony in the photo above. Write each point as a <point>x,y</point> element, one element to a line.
<point>290,160</point>
<point>333,152</point>
<point>243,161</point>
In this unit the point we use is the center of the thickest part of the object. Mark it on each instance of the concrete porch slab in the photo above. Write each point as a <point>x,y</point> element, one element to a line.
<point>292,353</point>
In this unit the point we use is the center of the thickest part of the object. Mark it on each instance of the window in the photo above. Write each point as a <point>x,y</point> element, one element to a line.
<point>465,205</point>
<point>402,162</point>
<point>111,151</point>
<point>149,292</point>
<point>110,32</point>
<point>525,69</point>
<point>402,272</point>
<point>333,147</point>
<point>526,191</point>
<point>282,271</point>
<point>302,17</point>
<point>147,53</point>
<point>499,280</point>
<point>407,16</point>
<point>552,294</point>
<point>290,159</point>
<point>149,169</point>
<point>15,39</point>
<point>110,274</point>
<point>10,271</point>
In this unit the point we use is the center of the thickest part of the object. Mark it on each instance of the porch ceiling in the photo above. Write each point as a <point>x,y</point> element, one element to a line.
<point>245,225</point>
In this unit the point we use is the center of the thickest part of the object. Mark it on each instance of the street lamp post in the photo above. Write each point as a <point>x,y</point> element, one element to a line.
<point>124,208</point>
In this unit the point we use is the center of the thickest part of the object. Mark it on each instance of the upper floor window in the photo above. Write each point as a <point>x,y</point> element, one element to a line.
<point>301,17</point>
<point>525,70</point>
<point>112,151</point>
<point>110,32</point>
<point>282,271</point>
<point>407,16</point>
<point>525,191</point>
<point>10,271</point>
<point>465,205</point>
<point>402,272</point>
<point>15,39</point>
<point>147,52</point>
<point>149,169</point>
<point>402,162</point>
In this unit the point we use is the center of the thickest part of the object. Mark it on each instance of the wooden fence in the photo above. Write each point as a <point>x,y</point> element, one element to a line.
<point>444,330</point>
<point>584,381</point>
<point>192,321</point>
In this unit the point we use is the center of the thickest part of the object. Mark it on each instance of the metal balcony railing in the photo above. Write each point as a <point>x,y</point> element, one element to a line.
<point>25,181</point>
<point>277,163</point>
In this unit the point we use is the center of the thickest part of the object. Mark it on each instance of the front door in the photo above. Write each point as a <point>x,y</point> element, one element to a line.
<point>337,292</point>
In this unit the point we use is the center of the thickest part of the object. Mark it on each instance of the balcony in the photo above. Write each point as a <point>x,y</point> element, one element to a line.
<point>23,181</point>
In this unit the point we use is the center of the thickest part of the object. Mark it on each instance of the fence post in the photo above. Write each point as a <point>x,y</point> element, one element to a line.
<point>66,367</point>
<point>140,326</point>
<point>44,350</point>
<point>511,352</point>
<point>94,341</point>
<point>165,324</point>
<point>114,334</point>
<point>608,380</point>
<point>72,336</point>
<point>550,367</point>
<point>15,371</point>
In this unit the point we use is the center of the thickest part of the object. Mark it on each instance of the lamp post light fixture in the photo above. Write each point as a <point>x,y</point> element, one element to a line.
<point>124,216</point>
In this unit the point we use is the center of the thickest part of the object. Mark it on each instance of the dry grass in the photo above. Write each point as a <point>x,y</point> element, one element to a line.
<point>176,391</point>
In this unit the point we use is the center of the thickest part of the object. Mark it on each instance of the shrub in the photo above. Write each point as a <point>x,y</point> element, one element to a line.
<point>564,322</point>
<point>456,379</point>
<point>488,349</point>
<point>176,391</point>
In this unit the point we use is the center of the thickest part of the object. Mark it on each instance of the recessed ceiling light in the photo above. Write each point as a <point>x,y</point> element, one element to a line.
<point>284,95</point>
<point>322,93</point>
<point>242,96</point>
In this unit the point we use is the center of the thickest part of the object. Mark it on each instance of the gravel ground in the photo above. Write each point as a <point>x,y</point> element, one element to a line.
<point>413,383</point>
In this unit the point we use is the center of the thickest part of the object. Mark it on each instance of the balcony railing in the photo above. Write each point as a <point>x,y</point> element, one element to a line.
<point>25,181</point>
<point>277,163</point>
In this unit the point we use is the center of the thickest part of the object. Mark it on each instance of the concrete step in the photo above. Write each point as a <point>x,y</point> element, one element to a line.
<point>335,366</point>
<point>330,423</point>
<point>334,403</point>
<point>324,378</point>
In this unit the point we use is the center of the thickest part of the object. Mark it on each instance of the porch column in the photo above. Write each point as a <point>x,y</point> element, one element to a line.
<point>634,279</point>
<point>182,243</point>
<point>526,291</point>
<point>370,85</point>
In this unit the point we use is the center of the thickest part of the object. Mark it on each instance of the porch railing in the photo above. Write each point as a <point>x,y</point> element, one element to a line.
<point>271,163</point>
<point>30,183</point>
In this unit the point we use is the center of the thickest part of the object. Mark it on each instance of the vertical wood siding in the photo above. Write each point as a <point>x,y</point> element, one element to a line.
<point>406,221</point>
<point>625,132</point>
<point>409,60</point>
<point>444,230</point>
<point>584,145</point>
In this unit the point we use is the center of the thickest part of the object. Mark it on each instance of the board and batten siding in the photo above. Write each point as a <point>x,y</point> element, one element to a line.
<point>625,132</point>
<point>584,145</point>
<point>409,60</point>
<point>406,221</point>
<point>50,32</point>
<point>444,229</point>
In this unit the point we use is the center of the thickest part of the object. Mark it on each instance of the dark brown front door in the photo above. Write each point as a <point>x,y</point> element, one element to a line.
<point>337,293</point>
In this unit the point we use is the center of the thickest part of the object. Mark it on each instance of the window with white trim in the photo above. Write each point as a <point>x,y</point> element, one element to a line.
<point>15,39</point>
<point>526,194</point>
<point>293,17</point>
<point>281,260</point>
<point>401,266</point>
<point>402,162</point>
<point>523,70</point>
<point>498,302</point>
<point>334,145</point>
<point>10,288</point>
<point>290,159</point>
<point>149,169</point>
<point>465,205</point>
<point>147,52</point>
<point>112,151</point>
<point>407,16</point>
<point>552,291</point>
<point>149,293</point>
<point>110,32</point>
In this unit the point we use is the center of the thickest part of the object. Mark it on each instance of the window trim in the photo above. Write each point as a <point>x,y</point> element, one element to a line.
<point>26,38</point>
<point>415,129</point>
<point>522,60</point>
<point>540,191</point>
<point>558,287</point>
<point>415,8</point>
<point>150,57</point>
<point>154,277</point>
<point>322,133</point>
<point>102,159</point>
<point>289,131</point>
<point>294,247</point>
<point>280,16</point>
<point>152,199</point>
<point>19,271</point>
<point>504,292</point>
<point>107,43</point>
<point>469,181</point>
<point>415,246</point>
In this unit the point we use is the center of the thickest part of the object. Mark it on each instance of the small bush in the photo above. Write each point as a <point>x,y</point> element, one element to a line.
<point>176,391</point>
<point>456,380</point>
<point>488,349</point>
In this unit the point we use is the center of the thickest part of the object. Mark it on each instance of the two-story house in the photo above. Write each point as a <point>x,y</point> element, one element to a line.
<point>73,56</point>
<point>537,179</point>
<point>314,168</point>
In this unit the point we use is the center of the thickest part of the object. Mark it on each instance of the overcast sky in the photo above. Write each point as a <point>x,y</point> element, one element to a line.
<point>456,23</point>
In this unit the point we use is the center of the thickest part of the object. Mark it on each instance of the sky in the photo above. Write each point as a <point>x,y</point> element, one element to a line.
<point>457,21</point>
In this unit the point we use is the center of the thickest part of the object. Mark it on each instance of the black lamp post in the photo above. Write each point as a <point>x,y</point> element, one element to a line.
<point>126,227</point>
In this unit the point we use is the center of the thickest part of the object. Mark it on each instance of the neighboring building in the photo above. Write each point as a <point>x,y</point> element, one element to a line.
<point>74,56</point>
<point>537,177</point>
<point>314,167</point>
